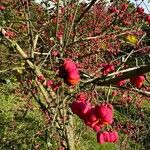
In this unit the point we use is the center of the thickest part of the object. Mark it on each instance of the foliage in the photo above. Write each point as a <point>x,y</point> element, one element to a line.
<point>54,57</point>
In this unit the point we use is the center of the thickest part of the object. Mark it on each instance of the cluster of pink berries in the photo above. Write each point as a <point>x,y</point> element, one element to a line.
<point>72,74</point>
<point>49,83</point>
<point>107,68</point>
<point>95,117</point>
<point>140,10</point>
<point>111,137</point>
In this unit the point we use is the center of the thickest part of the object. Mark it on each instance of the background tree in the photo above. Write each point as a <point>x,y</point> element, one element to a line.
<point>47,50</point>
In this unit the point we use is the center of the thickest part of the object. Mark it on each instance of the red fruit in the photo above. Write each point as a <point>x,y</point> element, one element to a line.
<point>59,35</point>
<point>73,78</point>
<point>114,93</point>
<point>121,83</point>
<point>2,8</point>
<point>113,9</point>
<point>113,136</point>
<point>91,120</point>
<point>106,136</point>
<point>140,10</point>
<point>103,137</point>
<point>91,116</point>
<point>56,86</point>
<point>100,138</point>
<point>55,53</point>
<point>40,78</point>
<point>73,75</point>
<point>105,113</point>
<point>107,68</point>
<point>69,66</point>
<point>80,108</point>
<point>137,81</point>
<point>88,123</point>
<point>148,19</point>
<point>49,83</point>
<point>81,96</point>
<point>97,128</point>
<point>124,7</point>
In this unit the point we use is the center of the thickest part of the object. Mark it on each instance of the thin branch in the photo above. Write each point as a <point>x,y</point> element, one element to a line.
<point>86,10</point>
<point>12,69</point>
<point>35,42</point>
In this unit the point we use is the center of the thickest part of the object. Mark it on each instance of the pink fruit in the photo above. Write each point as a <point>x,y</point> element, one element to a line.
<point>105,113</point>
<point>137,80</point>
<point>140,10</point>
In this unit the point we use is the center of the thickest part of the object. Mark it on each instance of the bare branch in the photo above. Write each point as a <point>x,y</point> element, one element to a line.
<point>33,66</point>
<point>126,74</point>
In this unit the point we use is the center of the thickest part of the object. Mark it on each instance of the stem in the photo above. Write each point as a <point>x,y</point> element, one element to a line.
<point>108,93</point>
<point>70,134</point>
<point>57,25</point>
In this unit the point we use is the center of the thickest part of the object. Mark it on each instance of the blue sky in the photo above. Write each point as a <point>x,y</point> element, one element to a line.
<point>144,4</point>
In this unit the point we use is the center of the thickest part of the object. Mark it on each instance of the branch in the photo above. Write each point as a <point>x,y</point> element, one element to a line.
<point>86,10</point>
<point>31,65</point>
<point>126,74</point>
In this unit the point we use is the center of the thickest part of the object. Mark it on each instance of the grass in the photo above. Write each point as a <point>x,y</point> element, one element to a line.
<point>18,126</point>
<point>22,128</point>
